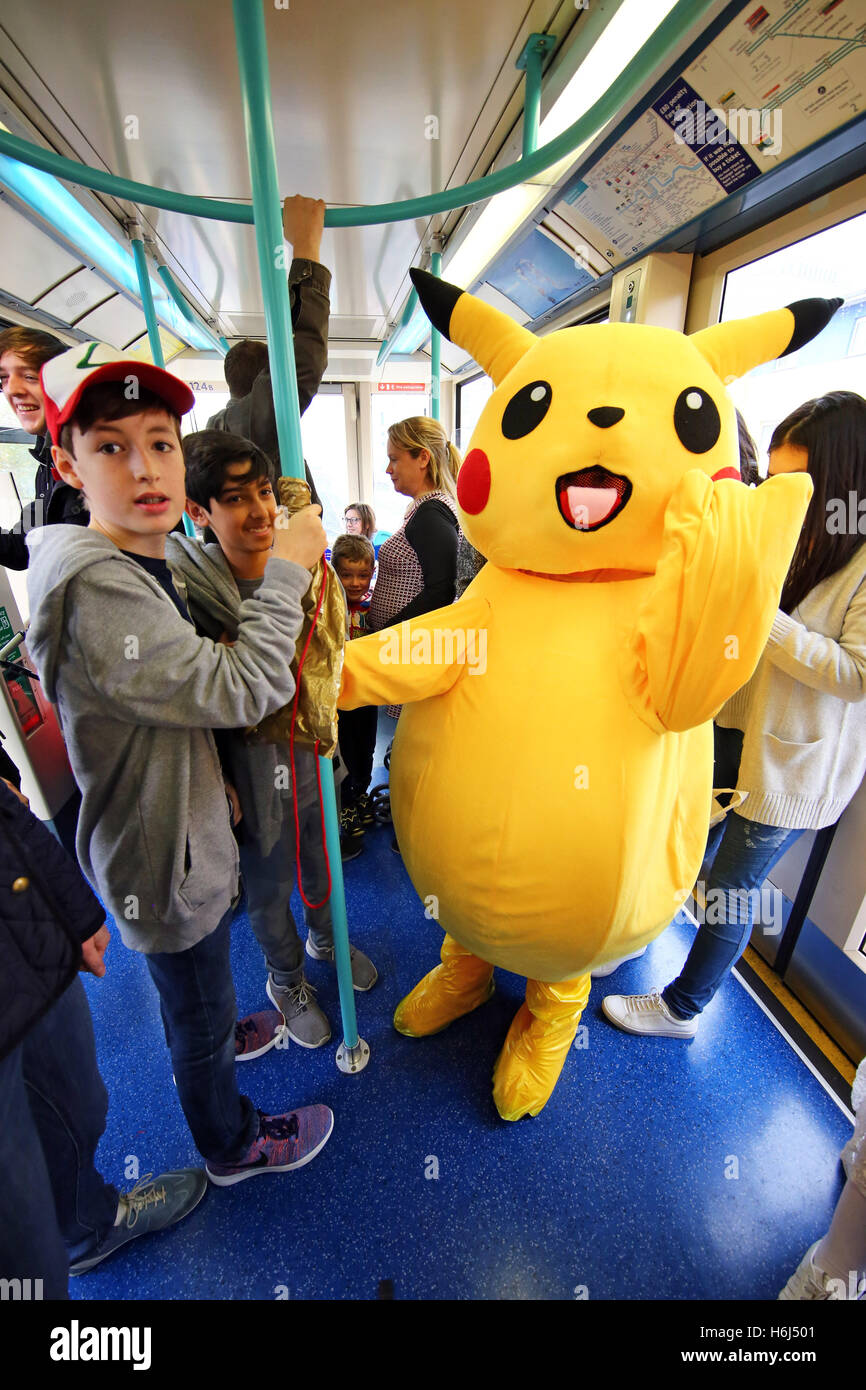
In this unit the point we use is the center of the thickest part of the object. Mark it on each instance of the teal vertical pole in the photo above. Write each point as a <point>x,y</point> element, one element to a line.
<point>147,299</point>
<point>267,220</point>
<point>168,280</point>
<point>150,319</point>
<point>532,101</point>
<point>531,61</point>
<point>436,351</point>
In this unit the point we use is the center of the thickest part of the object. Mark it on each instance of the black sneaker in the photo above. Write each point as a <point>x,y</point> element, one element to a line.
<point>351,833</point>
<point>366,813</point>
<point>150,1206</point>
<point>380,803</point>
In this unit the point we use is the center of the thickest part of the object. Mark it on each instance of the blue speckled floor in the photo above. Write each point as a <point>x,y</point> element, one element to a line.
<point>619,1185</point>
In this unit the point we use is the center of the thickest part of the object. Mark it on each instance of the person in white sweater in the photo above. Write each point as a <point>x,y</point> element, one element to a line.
<point>793,739</point>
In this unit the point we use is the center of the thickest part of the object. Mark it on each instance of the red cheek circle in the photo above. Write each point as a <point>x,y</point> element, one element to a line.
<point>733,473</point>
<point>473,482</point>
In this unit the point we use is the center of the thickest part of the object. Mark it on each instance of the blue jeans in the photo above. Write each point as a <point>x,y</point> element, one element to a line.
<point>269,880</point>
<point>199,1012</point>
<point>745,854</point>
<point>54,1205</point>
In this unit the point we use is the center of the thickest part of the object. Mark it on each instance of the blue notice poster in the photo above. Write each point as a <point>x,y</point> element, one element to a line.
<point>706,135</point>
<point>536,274</point>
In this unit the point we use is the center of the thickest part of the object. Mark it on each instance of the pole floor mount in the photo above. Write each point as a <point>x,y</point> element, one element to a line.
<point>353,1059</point>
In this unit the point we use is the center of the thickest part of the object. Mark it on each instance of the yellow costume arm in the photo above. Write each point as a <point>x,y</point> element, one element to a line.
<point>419,658</point>
<point>704,624</point>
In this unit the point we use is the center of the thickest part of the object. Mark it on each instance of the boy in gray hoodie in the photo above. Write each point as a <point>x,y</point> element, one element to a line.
<point>230,489</point>
<point>138,692</point>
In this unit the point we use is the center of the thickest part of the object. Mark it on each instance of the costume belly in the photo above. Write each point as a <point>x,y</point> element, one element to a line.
<point>546,826</point>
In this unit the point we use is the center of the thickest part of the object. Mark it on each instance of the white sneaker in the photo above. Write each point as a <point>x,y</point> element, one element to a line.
<point>807,1283</point>
<point>647,1013</point>
<point>612,965</point>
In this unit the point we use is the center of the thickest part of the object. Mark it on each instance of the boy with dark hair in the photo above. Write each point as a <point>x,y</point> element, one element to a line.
<point>242,364</point>
<point>22,352</point>
<point>230,489</point>
<point>138,692</point>
<point>354,559</point>
<point>250,412</point>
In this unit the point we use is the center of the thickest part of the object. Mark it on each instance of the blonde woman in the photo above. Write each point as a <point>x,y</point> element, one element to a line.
<point>418,564</point>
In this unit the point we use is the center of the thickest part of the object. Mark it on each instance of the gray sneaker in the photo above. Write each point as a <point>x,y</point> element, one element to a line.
<point>150,1206</point>
<point>364,972</point>
<point>305,1022</point>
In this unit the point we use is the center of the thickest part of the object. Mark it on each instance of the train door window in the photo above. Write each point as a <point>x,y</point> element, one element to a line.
<point>388,406</point>
<point>825,265</point>
<point>207,404</point>
<point>323,433</point>
<point>16,458</point>
<point>472,397</point>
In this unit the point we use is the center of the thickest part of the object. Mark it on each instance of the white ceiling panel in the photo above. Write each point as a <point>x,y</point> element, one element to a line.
<point>118,322</point>
<point>30,262</point>
<point>75,296</point>
<point>358,91</point>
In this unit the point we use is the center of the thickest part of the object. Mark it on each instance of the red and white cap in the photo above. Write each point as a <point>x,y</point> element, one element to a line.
<point>66,376</point>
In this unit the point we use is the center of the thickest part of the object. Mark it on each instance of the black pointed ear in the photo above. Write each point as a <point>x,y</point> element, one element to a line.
<point>810,317</point>
<point>437,298</point>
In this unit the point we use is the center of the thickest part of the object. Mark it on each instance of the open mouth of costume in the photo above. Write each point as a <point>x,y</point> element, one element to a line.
<point>591,497</point>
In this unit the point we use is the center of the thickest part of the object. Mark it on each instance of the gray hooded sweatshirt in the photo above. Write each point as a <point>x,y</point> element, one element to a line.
<point>259,772</point>
<point>137,692</point>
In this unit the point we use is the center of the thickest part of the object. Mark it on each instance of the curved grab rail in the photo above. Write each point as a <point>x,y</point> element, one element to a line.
<point>645,63</point>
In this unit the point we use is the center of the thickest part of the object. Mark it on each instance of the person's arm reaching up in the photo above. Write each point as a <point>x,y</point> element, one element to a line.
<point>309,286</point>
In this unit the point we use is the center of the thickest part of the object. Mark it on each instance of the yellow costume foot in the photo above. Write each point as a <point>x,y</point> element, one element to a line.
<point>453,989</point>
<point>528,1067</point>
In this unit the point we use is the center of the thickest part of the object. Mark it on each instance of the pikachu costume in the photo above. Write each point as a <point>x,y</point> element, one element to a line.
<point>551,777</point>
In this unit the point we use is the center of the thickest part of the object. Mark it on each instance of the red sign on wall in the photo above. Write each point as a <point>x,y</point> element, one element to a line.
<point>414,386</point>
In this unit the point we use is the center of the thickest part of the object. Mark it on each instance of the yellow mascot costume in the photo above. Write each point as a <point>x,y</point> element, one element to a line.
<point>551,777</point>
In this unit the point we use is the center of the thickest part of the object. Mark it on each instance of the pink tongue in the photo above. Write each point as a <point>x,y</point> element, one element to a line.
<point>590,504</point>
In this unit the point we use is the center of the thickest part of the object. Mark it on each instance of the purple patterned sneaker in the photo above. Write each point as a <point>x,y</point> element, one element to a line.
<point>258,1033</point>
<point>283,1142</point>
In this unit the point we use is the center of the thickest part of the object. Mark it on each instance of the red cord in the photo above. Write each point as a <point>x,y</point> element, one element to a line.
<point>318,770</point>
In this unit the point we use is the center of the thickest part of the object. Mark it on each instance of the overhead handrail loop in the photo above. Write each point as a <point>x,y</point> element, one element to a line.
<point>619,94</point>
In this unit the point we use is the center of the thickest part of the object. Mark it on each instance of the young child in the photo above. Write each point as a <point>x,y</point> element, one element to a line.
<point>138,692</point>
<point>230,488</point>
<point>353,559</point>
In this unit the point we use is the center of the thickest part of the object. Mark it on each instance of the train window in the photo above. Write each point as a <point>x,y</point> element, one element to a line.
<point>323,432</point>
<point>473,395</point>
<point>15,460</point>
<point>387,408</point>
<point>207,404</point>
<point>825,265</point>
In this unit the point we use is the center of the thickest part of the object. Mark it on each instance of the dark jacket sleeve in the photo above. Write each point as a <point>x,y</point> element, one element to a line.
<point>14,554</point>
<point>54,502</point>
<point>309,284</point>
<point>309,287</point>
<point>49,865</point>
<point>46,911</point>
<point>432,533</point>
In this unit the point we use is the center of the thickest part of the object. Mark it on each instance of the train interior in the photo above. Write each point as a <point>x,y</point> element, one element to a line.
<point>660,1169</point>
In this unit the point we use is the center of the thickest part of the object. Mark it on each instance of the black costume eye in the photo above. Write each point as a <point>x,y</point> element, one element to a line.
<point>526,410</point>
<point>696,420</point>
